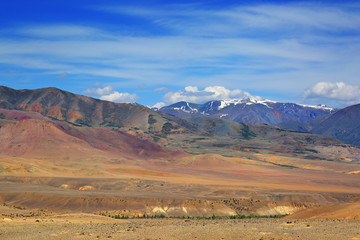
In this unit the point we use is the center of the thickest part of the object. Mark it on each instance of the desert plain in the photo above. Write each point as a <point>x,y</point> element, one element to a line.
<point>195,201</point>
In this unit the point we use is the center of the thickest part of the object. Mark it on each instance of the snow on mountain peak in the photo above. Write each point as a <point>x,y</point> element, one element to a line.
<point>217,105</point>
<point>185,107</point>
<point>320,106</point>
<point>247,101</point>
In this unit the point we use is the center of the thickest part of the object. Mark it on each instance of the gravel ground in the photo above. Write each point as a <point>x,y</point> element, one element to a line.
<point>180,229</point>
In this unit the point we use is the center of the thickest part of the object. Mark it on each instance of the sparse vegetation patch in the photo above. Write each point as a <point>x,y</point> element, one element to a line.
<point>213,217</point>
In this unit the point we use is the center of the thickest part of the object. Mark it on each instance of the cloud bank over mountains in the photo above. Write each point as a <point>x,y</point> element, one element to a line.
<point>320,92</point>
<point>340,91</point>
<point>194,95</point>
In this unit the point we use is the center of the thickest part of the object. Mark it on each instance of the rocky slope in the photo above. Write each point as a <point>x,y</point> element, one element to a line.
<point>343,125</point>
<point>45,139</point>
<point>81,110</point>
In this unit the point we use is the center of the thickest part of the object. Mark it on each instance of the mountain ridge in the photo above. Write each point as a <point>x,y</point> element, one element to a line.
<point>81,110</point>
<point>154,125</point>
<point>344,125</point>
<point>249,110</point>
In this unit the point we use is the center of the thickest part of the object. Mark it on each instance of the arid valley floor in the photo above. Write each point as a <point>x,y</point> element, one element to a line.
<point>74,208</point>
<point>87,226</point>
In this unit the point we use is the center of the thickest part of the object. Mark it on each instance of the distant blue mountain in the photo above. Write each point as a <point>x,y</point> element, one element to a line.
<point>249,110</point>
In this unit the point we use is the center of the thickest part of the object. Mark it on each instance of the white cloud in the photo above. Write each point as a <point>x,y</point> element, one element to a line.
<point>99,91</point>
<point>120,97</point>
<point>109,94</point>
<point>191,89</point>
<point>340,91</point>
<point>193,94</point>
<point>159,105</point>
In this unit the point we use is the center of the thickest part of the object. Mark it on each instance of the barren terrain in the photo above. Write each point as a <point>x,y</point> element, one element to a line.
<point>138,174</point>
<point>89,226</point>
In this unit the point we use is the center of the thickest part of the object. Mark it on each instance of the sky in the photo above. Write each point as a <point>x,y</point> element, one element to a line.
<point>161,52</point>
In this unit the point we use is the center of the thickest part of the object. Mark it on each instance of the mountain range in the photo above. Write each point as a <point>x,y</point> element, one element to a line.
<point>249,110</point>
<point>234,116</point>
<point>343,124</point>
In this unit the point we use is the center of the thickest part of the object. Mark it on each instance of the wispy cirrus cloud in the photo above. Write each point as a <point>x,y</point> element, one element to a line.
<point>57,30</point>
<point>163,48</point>
<point>194,19</point>
<point>9,72</point>
<point>305,15</point>
<point>162,89</point>
<point>257,47</point>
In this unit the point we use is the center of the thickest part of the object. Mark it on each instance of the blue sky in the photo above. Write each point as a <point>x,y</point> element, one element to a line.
<point>160,52</point>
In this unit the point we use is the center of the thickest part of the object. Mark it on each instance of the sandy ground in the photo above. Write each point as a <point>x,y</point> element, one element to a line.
<point>88,226</point>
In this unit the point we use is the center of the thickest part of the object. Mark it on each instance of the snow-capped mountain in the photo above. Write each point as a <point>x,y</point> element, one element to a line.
<point>249,110</point>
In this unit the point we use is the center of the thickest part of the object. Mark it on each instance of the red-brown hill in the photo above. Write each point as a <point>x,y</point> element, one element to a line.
<point>44,139</point>
<point>81,110</point>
